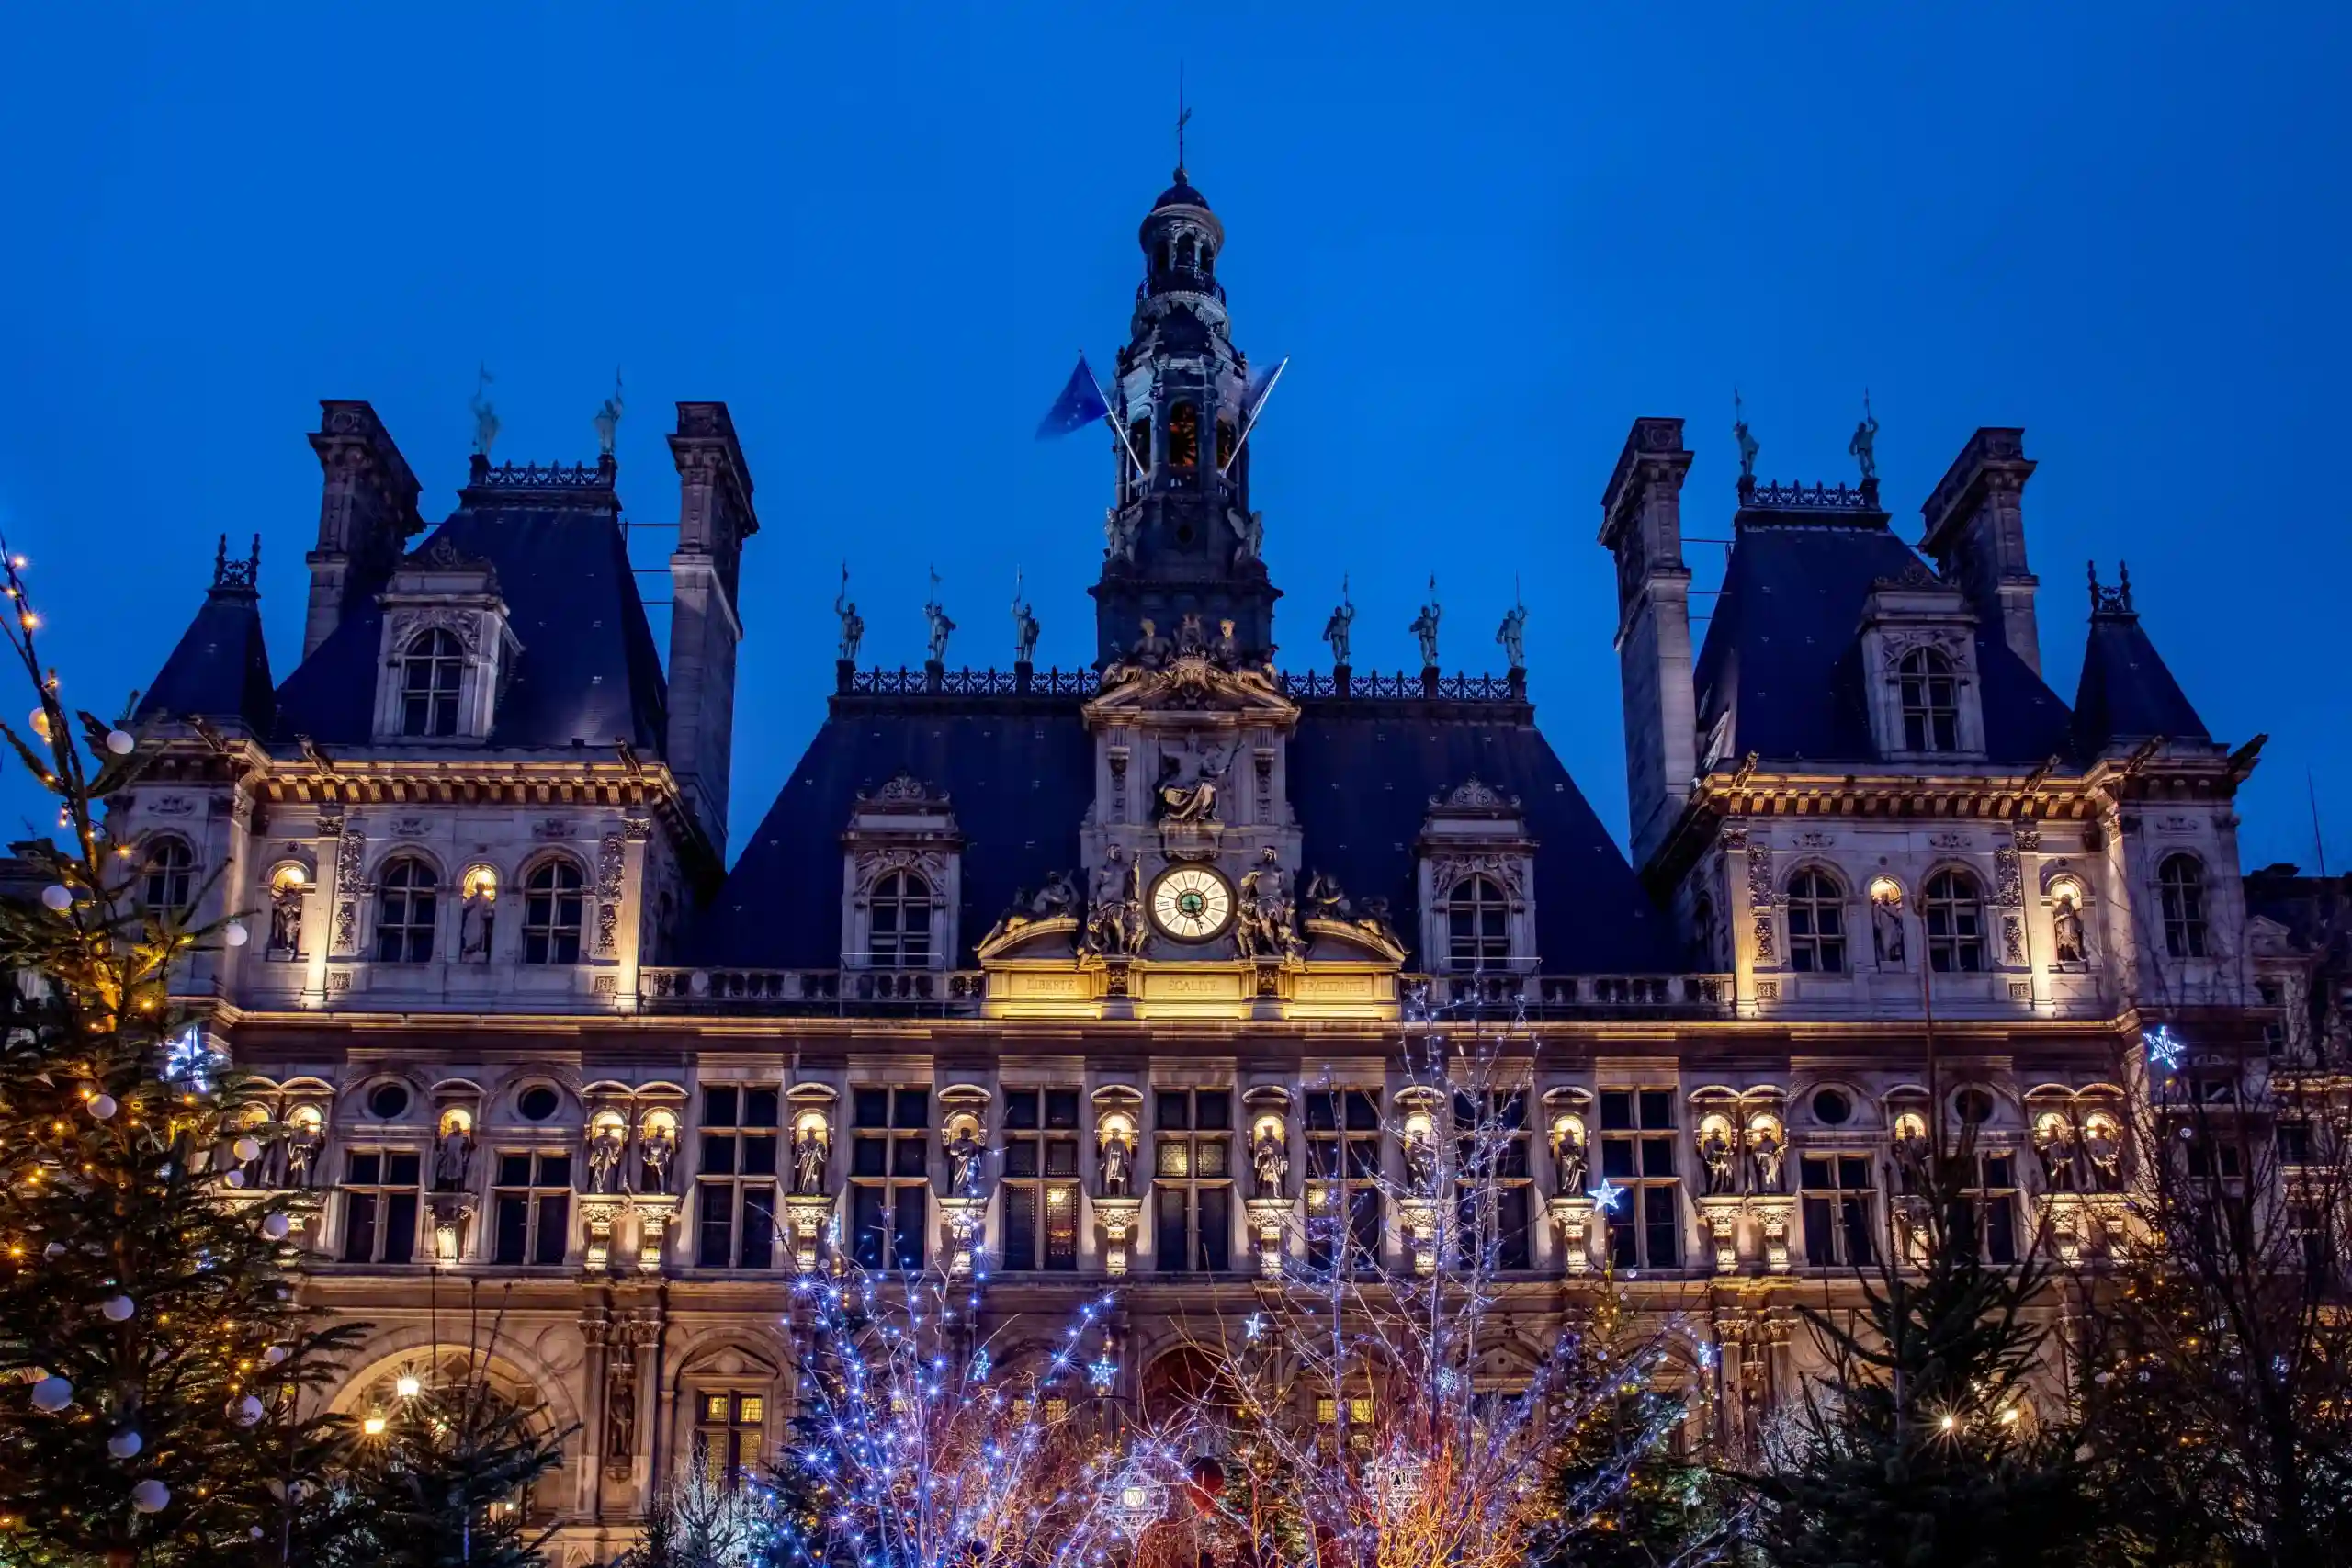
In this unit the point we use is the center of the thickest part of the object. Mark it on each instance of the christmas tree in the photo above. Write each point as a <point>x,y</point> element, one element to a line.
<point>442,1478</point>
<point>151,1354</point>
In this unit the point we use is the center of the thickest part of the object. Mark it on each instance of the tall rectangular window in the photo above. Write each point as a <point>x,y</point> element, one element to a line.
<point>1996,1193</point>
<point>1491,1183</point>
<point>735,1180</point>
<point>1838,1223</point>
<point>531,1208</point>
<point>889,1176</point>
<point>380,1194</point>
<point>1637,1153</point>
<point>1344,1212</point>
<point>1191,1180</point>
<point>726,1437</point>
<point>1041,1192</point>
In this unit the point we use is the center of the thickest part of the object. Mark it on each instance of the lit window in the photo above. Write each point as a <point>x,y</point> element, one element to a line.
<point>900,926</point>
<point>1192,1186</point>
<point>554,908</point>
<point>1930,698</point>
<point>1477,924</point>
<point>2181,881</point>
<point>1040,1178</point>
<point>1955,920</point>
<point>728,1436</point>
<point>1816,923</point>
<point>735,1182</point>
<point>405,904</point>
<point>430,671</point>
<point>171,876</point>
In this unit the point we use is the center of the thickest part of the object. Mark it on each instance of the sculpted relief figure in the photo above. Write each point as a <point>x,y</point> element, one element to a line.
<point>604,1159</point>
<point>1266,924</point>
<point>1114,916</point>
<point>1716,1153</point>
<point>964,1155</point>
<point>1269,1157</point>
<point>808,1163</point>
<point>1189,777</point>
<point>1118,1161</point>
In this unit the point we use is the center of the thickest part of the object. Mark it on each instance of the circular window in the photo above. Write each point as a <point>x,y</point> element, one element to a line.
<point>537,1103</point>
<point>1832,1108</point>
<point>387,1101</point>
<point>1973,1106</point>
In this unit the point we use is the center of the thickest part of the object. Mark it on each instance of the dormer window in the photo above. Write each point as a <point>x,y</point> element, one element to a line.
<point>1929,694</point>
<point>1477,924</point>
<point>432,670</point>
<point>900,915</point>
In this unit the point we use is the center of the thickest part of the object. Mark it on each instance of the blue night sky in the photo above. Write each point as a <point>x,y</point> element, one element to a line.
<point>879,233</point>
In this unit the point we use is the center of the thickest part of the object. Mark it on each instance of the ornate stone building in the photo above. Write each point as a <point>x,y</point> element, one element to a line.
<point>1105,975</point>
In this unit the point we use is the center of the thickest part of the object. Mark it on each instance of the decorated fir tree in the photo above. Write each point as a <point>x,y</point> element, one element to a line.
<point>151,1353</point>
<point>443,1479</point>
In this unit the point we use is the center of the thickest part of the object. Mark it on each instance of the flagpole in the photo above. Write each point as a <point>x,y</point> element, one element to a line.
<point>1263,399</point>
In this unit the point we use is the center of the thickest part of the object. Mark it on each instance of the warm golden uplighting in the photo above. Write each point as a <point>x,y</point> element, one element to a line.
<point>373,1426</point>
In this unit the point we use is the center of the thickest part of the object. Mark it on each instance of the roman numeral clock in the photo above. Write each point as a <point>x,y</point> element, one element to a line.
<point>1191,903</point>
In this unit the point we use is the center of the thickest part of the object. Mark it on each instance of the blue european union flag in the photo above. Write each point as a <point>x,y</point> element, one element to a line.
<point>1080,405</point>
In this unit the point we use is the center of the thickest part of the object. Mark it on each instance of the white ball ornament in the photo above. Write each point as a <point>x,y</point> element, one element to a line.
<point>254,1532</point>
<point>149,1497</point>
<point>117,1309</point>
<point>234,1179</point>
<point>53,1251</point>
<point>119,742</point>
<point>274,1355</point>
<point>244,1412</point>
<point>275,1226</point>
<point>246,1148</point>
<point>124,1444</point>
<point>40,722</point>
<point>56,897</point>
<point>52,1394</point>
<point>236,934</point>
<point>103,1105</point>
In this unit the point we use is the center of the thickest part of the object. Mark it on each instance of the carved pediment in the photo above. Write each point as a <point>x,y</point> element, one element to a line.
<point>903,789</point>
<point>1471,795</point>
<point>1188,682</point>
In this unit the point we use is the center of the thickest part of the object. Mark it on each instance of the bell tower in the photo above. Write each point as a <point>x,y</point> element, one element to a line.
<point>1180,539</point>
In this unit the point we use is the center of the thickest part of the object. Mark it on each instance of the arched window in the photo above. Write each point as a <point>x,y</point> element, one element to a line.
<point>1477,924</point>
<point>405,905</point>
<point>429,675</point>
<point>2181,880</point>
<point>1209,257</point>
<point>1161,257</point>
<point>1184,435</point>
<point>1225,439</point>
<point>1931,696</point>
<point>1955,917</point>
<point>554,908</point>
<point>1187,251</point>
<point>170,874</point>
<point>899,930</point>
<point>1816,923</point>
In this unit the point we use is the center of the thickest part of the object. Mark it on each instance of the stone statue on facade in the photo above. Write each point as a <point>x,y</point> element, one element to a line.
<point>604,1150</point>
<point>1055,900</point>
<point>608,419</point>
<point>1114,916</point>
<point>1189,777</point>
<point>452,1159</point>
<point>1424,626</point>
<point>1766,1150</point>
<point>1225,650</point>
<point>2105,1148</point>
<point>1739,433</point>
<point>475,919</point>
<point>1420,1161</point>
<point>808,1163</point>
<point>1886,933</point>
<point>1512,634</point>
<point>1025,626</point>
<point>1251,528</point>
<point>966,1154</point>
<point>853,624</point>
<point>1119,535</point>
<point>1716,1153</point>
<point>2066,927</point>
<point>935,615</point>
<point>1151,649</point>
<point>302,1147</point>
<point>1863,447</point>
<point>658,1150</point>
<point>286,919</point>
<point>1266,924</point>
<point>1118,1160</point>
<point>485,416</point>
<point>620,1410</point>
<point>2053,1145</point>
<point>1568,1161</point>
<point>1335,630</point>
<point>1270,1161</point>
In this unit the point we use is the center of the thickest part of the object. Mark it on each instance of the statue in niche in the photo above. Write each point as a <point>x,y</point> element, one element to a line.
<point>1152,650</point>
<point>1251,528</point>
<point>964,1155</point>
<point>620,1408</point>
<point>1265,923</point>
<point>608,419</point>
<point>2053,1145</point>
<point>285,918</point>
<point>453,1158</point>
<point>1114,918</point>
<point>1886,933</point>
<point>935,615</point>
<point>302,1147</point>
<point>1424,626</point>
<point>1420,1161</point>
<point>1716,1153</point>
<point>2105,1148</point>
<point>1766,1149</point>
<point>2066,927</point>
<point>1269,1157</point>
<point>477,918</point>
<point>1189,777</point>
<point>604,1151</point>
<point>1568,1160</point>
<point>808,1163</point>
<point>853,624</point>
<point>1863,447</point>
<point>1336,630</point>
<point>657,1151</point>
<point>1118,1163</point>
<point>1512,634</point>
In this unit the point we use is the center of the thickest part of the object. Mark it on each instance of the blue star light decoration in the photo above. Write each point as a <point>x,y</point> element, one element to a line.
<point>1254,1325</point>
<point>1102,1373</point>
<point>981,1364</point>
<point>1606,1196</point>
<point>2164,1047</point>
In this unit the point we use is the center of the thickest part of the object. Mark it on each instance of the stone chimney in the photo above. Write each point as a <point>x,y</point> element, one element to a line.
<point>715,517</point>
<point>1977,535</point>
<point>366,516</point>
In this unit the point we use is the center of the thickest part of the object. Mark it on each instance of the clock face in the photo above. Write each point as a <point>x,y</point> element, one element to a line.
<point>1191,903</point>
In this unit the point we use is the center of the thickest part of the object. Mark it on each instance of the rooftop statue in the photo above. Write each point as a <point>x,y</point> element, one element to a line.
<point>1863,447</point>
<point>1512,634</point>
<point>608,419</point>
<point>853,624</point>
<point>936,613</point>
<point>1025,626</point>
<point>485,416</point>
<point>1335,630</point>
<point>1424,626</point>
<point>1747,446</point>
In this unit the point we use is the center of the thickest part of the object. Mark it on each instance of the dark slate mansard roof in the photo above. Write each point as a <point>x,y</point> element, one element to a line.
<point>589,671</point>
<point>219,670</point>
<point>2127,693</point>
<point>1019,778</point>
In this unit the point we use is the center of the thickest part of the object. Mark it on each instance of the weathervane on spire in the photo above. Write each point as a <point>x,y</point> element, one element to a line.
<point>1182,116</point>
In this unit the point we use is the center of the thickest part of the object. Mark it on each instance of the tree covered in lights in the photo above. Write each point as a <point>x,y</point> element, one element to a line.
<point>1389,1410</point>
<point>152,1355</point>
<point>1936,1440</point>
<point>916,1447</point>
<point>441,1477</point>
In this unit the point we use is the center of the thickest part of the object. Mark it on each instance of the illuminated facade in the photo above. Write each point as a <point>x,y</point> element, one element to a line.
<point>1104,974</point>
